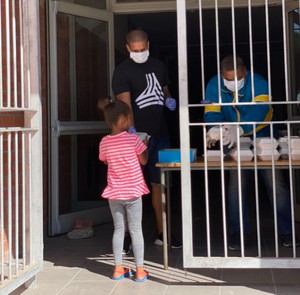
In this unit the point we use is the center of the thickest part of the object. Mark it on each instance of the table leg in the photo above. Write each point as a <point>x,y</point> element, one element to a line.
<point>169,229</point>
<point>164,218</point>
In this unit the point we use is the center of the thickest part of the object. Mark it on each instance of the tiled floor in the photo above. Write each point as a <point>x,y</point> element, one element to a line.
<point>85,266</point>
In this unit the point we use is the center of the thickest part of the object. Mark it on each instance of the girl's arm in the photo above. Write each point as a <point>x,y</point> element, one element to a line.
<point>143,157</point>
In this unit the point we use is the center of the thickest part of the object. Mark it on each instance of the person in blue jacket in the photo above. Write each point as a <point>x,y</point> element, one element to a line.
<point>236,86</point>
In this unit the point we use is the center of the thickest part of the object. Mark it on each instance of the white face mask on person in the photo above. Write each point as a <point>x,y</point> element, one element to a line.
<point>231,84</point>
<point>139,57</point>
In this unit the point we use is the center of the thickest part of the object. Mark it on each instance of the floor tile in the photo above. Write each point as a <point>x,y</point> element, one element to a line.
<point>255,289</point>
<point>248,276</point>
<point>288,289</point>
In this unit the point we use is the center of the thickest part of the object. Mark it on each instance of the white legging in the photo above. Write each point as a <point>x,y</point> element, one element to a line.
<point>133,209</point>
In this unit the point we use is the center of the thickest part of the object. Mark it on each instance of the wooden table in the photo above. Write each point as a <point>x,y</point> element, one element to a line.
<point>200,164</point>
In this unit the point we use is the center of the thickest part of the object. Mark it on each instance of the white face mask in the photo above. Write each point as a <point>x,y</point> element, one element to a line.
<point>231,84</point>
<point>139,57</point>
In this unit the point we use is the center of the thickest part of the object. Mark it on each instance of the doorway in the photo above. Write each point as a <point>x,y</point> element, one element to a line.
<point>75,121</point>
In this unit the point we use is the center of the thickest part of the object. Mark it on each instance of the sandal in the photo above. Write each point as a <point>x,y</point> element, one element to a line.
<point>121,274</point>
<point>143,276</point>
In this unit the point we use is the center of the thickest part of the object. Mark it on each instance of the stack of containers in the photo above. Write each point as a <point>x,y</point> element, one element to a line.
<point>284,147</point>
<point>245,152</point>
<point>214,155</point>
<point>266,149</point>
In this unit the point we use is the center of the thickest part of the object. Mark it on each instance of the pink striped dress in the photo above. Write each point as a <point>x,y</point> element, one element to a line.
<point>125,178</point>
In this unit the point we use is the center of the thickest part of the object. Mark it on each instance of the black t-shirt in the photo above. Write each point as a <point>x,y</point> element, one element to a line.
<point>144,82</point>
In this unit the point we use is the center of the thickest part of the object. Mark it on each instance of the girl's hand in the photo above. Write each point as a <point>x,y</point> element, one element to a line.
<point>146,141</point>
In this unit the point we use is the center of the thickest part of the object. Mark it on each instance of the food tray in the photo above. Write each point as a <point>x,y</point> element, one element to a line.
<point>245,154</point>
<point>267,154</point>
<point>214,155</point>
<point>142,135</point>
<point>266,143</point>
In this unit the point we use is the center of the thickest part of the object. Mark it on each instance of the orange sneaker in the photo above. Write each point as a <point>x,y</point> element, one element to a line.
<point>141,276</point>
<point>121,274</point>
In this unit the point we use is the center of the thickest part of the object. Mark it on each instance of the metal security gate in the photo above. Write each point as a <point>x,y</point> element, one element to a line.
<point>21,226</point>
<point>206,236</point>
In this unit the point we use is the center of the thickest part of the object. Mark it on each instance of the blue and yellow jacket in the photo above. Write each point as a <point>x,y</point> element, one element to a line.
<point>241,112</point>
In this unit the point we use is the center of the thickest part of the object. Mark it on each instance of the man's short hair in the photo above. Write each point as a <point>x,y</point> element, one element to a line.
<point>136,36</point>
<point>227,63</point>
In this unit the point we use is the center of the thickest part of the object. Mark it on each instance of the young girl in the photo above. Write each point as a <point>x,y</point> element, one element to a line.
<point>123,153</point>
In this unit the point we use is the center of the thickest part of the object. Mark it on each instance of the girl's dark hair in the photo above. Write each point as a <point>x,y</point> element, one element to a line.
<point>113,109</point>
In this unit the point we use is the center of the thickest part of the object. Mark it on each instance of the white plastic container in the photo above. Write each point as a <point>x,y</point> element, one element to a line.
<point>284,152</point>
<point>245,143</point>
<point>295,154</point>
<point>267,154</point>
<point>266,143</point>
<point>295,143</point>
<point>142,136</point>
<point>245,154</point>
<point>284,142</point>
<point>214,155</point>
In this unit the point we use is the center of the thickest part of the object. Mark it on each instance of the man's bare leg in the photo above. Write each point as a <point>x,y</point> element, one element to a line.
<point>156,203</point>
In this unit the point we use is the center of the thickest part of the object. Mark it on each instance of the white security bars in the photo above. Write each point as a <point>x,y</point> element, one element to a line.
<point>206,228</point>
<point>21,230</point>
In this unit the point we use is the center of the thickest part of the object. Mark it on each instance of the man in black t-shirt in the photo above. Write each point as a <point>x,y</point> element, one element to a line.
<point>142,83</point>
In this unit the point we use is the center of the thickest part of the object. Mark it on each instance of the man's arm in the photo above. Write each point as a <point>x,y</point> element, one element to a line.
<point>166,91</point>
<point>125,97</point>
<point>213,112</point>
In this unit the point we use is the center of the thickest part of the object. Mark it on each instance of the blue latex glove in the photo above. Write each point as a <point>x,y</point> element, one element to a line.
<point>131,129</point>
<point>170,103</point>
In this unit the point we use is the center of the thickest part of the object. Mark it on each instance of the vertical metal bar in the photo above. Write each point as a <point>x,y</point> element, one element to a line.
<point>274,193</point>
<point>9,200</point>
<point>268,48</point>
<point>240,197</point>
<point>17,201</point>
<point>285,51</point>
<point>21,55</point>
<point>208,236</point>
<point>291,190</point>
<point>256,194</point>
<point>201,49</point>
<point>218,49</point>
<point>186,193</point>
<point>23,202</point>
<point>251,48</point>
<point>27,58</point>
<point>28,201</point>
<point>8,71</point>
<point>1,62</point>
<point>14,45</point>
<point>234,49</point>
<point>1,208</point>
<point>223,195</point>
<point>206,191</point>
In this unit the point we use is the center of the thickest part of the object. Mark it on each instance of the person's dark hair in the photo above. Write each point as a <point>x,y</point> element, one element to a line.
<point>227,63</point>
<point>113,109</point>
<point>136,36</point>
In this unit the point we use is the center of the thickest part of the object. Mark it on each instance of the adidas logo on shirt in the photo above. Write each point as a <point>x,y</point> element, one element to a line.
<point>152,95</point>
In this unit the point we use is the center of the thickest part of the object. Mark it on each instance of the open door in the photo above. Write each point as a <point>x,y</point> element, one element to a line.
<point>81,63</point>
